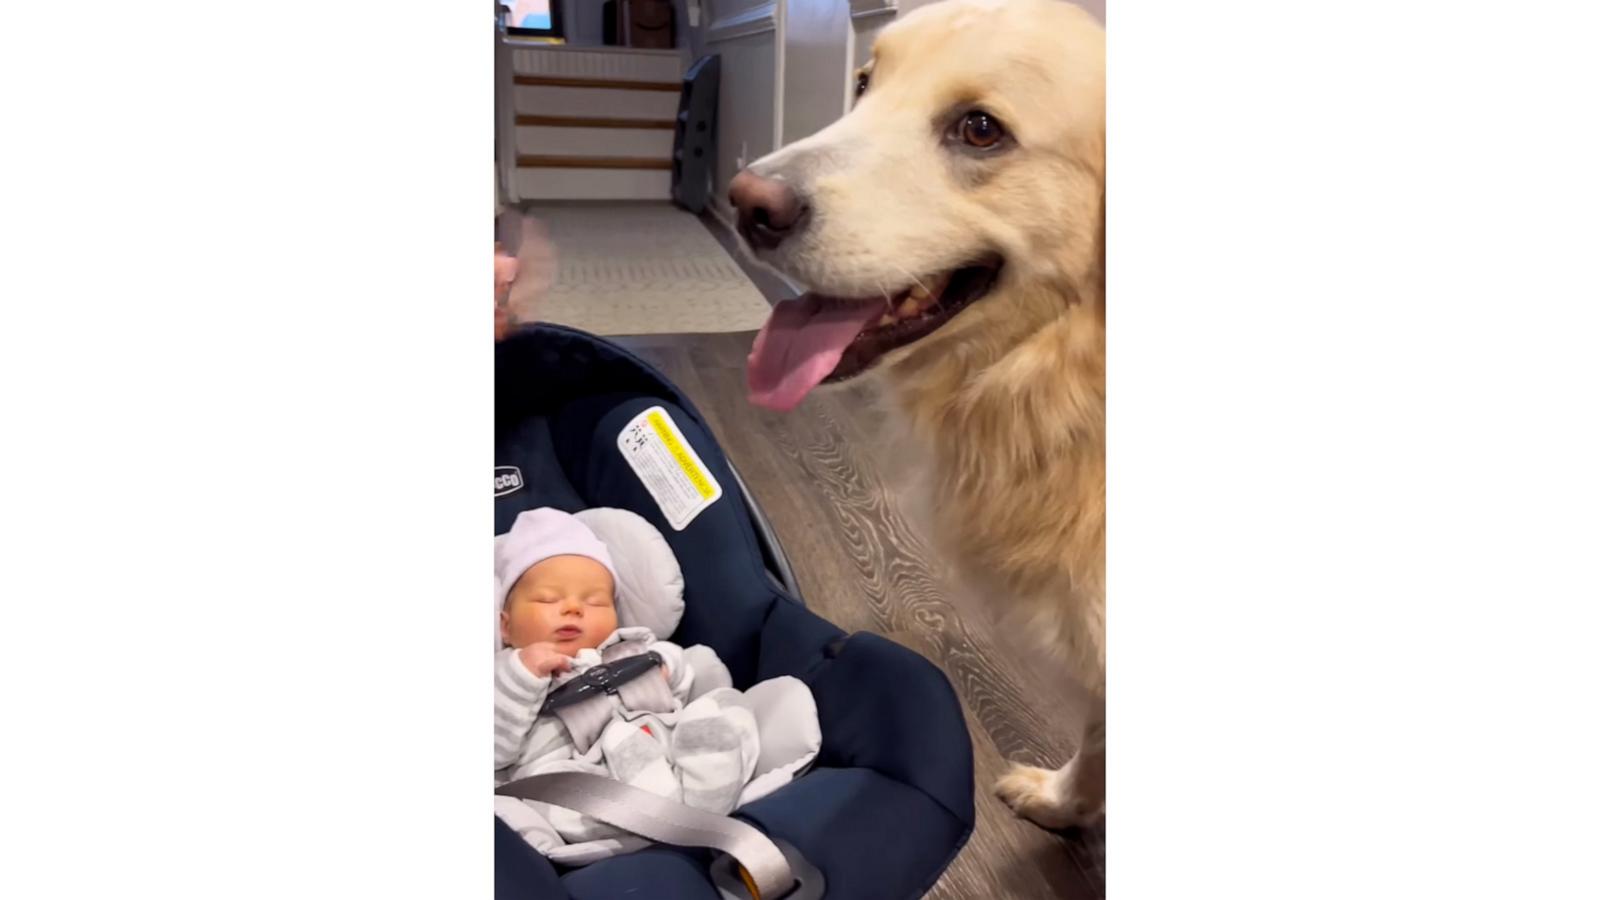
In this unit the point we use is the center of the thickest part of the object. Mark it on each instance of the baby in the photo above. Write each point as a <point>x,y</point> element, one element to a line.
<point>558,618</point>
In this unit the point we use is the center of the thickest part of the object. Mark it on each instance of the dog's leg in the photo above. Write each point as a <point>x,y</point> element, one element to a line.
<point>1074,794</point>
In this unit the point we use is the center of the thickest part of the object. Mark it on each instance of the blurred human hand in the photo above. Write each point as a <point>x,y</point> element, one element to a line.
<point>523,275</point>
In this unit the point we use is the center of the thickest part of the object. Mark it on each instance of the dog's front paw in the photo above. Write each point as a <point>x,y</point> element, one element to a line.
<point>1044,797</point>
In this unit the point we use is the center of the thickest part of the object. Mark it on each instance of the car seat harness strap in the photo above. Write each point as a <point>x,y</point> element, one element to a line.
<point>755,867</point>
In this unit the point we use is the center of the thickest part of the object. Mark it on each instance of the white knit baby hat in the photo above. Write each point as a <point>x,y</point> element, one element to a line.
<point>538,535</point>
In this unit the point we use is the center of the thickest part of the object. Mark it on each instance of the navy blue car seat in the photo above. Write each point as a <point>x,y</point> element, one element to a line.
<point>889,801</point>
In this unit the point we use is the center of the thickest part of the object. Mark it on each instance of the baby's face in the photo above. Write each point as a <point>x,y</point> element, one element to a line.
<point>566,600</point>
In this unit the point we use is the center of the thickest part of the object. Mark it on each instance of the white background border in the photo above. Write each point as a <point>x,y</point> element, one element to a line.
<point>1353,376</point>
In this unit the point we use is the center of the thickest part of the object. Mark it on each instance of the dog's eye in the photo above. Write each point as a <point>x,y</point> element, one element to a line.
<point>981,130</point>
<point>861,84</point>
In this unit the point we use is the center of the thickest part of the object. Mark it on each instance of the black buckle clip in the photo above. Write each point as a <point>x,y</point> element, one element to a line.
<point>605,678</point>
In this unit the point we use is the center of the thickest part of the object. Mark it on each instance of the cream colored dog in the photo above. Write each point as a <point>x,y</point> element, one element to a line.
<point>951,230</point>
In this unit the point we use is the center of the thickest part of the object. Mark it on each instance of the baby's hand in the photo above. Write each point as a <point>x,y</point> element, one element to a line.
<point>543,658</point>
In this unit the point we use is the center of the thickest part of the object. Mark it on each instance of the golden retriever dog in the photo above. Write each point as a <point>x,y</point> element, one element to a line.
<point>950,230</point>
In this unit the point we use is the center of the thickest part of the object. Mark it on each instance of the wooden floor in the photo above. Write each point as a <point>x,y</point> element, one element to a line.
<point>863,565</point>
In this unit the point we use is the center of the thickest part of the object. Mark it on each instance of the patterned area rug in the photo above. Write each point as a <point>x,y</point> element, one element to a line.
<point>643,269</point>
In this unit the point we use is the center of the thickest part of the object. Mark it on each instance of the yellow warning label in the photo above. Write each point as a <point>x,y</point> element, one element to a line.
<point>686,462</point>
<point>668,467</point>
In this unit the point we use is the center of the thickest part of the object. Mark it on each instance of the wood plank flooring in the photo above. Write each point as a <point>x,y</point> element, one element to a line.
<point>865,565</point>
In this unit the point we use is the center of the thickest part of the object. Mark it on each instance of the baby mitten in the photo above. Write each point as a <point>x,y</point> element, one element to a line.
<point>715,747</point>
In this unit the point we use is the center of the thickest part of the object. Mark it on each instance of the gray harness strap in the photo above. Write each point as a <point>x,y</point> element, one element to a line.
<point>766,873</point>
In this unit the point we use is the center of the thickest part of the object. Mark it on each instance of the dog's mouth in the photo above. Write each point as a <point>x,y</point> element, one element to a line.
<point>815,339</point>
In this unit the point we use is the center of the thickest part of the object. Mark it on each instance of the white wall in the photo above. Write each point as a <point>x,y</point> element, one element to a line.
<point>817,65</point>
<point>748,34</point>
<point>692,32</point>
<point>867,18</point>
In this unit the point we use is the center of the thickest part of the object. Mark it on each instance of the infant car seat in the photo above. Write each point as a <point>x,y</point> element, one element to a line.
<point>580,423</point>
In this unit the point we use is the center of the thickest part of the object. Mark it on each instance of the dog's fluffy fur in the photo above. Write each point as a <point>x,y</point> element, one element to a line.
<point>1009,395</point>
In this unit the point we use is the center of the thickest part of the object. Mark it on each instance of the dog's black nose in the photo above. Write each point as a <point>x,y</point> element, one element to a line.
<point>769,210</point>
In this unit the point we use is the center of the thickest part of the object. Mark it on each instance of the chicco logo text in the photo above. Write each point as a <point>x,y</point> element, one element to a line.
<point>506,480</point>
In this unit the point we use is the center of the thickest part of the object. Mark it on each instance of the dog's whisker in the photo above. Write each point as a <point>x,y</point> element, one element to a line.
<point>914,278</point>
<point>888,301</point>
<point>919,282</point>
<point>933,298</point>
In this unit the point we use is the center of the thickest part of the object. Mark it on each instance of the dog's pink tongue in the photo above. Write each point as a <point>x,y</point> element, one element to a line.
<point>800,344</point>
